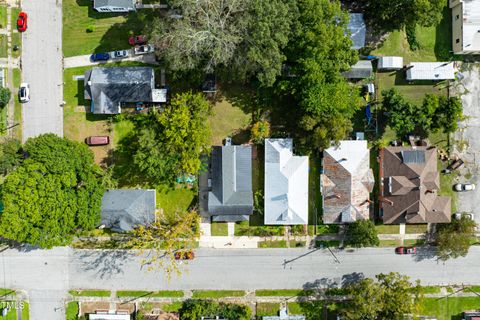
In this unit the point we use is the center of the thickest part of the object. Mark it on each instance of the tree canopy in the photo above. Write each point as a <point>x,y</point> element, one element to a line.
<point>454,239</point>
<point>10,155</point>
<point>362,233</point>
<point>196,309</point>
<point>54,193</point>
<point>169,143</point>
<point>391,296</point>
<point>5,95</point>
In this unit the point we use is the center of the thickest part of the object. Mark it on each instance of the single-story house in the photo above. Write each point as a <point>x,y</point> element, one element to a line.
<point>231,196</point>
<point>110,87</point>
<point>410,185</point>
<point>430,71</point>
<point>114,5</point>
<point>465,26</point>
<point>471,315</point>
<point>286,184</point>
<point>346,182</point>
<point>284,315</point>
<point>358,30</point>
<point>361,70</point>
<point>123,209</point>
<point>390,63</point>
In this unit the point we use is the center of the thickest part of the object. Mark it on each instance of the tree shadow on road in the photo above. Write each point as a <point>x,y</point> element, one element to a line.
<point>105,263</point>
<point>425,253</point>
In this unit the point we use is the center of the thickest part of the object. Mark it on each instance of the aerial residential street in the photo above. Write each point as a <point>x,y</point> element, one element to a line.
<point>42,68</point>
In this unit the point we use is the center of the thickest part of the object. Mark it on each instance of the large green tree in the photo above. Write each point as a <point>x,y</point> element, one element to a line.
<point>10,155</point>
<point>391,296</point>
<point>362,233</point>
<point>454,239</point>
<point>169,143</point>
<point>54,193</point>
<point>196,309</point>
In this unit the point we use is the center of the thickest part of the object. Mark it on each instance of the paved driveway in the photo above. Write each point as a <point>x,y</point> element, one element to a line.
<point>42,68</point>
<point>467,138</point>
<point>80,61</point>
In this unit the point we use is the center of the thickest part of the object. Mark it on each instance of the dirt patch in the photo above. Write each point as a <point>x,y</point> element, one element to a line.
<point>130,307</point>
<point>92,307</point>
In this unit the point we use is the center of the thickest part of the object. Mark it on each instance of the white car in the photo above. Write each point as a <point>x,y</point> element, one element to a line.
<point>24,92</point>
<point>146,48</point>
<point>460,187</point>
<point>469,216</point>
<point>119,54</point>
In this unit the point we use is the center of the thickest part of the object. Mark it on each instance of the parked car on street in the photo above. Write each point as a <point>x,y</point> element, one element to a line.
<point>97,140</point>
<point>137,40</point>
<point>469,216</point>
<point>148,48</point>
<point>184,255</point>
<point>24,92</point>
<point>120,54</point>
<point>461,187</point>
<point>405,250</point>
<point>22,21</point>
<point>99,57</point>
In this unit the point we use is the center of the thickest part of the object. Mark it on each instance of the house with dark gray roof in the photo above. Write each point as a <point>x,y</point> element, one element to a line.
<point>109,88</point>
<point>410,185</point>
<point>114,5</point>
<point>123,209</point>
<point>231,197</point>
<point>361,70</point>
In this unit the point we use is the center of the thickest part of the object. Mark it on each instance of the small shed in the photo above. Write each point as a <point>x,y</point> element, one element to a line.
<point>390,63</point>
<point>361,70</point>
<point>430,71</point>
<point>357,29</point>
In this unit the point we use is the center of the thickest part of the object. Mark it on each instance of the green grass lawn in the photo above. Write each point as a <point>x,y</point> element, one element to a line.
<point>110,30</point>
<point>25,311</point>
<point>446,187</point>
<point>171,200</point>
<point>281,293</point>
<point>13,21</point>
<point>171,307</point>
<point>155,294</point>
<point>389,243</point>
<point>3,121</point>
<point>90,293</point>
<point>203,294</point>
<point>3,46</point>
<point>16,41</point>
<point>121,129</point>
<point>7,293</point>
<point>431,289</point>
<point>267,309</point>
<point>449,308</point>
<point>413,242</point>
<point>3,16</point>
<point>72,310</point>
<point>415,228</point>
<point>272,244</point>
<point>17,79</point>
<point>219,229</point>
<point>387,229</point>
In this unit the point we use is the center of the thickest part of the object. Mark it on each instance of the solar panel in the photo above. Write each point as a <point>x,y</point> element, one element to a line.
<point>413,156</point>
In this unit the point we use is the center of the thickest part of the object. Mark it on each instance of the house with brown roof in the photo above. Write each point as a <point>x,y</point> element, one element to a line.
<point>346,182</point>
<point>409,186</point>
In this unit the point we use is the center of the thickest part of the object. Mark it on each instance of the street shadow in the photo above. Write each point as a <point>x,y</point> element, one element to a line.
<point>105,263</point>
<point>425,253</point>
<point>353,277</point>
<point>321,284</point>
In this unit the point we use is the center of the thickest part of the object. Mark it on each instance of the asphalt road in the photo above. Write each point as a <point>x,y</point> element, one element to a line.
<point>42,68</point>
<point>48,275</point>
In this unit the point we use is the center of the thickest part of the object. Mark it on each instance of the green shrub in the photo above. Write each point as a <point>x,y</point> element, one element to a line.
<point>90,28</point>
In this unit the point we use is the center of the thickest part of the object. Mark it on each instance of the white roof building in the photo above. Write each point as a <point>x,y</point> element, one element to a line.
<point>286,184</point>
<point>430,71</point>
<point>357,29</point>
<point>465,26</point>
<point>111,315</point>
<point>390,63</point>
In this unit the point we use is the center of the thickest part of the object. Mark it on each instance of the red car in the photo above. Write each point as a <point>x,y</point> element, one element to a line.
<point>184,255</point>
<point>22,21</point>
<point>137,40</point>
<point>405,250</point>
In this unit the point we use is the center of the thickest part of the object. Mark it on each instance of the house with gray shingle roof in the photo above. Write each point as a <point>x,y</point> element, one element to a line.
<point>231,197</point>
<point>286,184</point>
<point>109,88</point>
<point>114,5</point>
<point>346,182</point>
<point>123,209</point>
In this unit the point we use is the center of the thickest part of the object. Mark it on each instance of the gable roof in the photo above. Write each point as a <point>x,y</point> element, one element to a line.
<point>130,4</point>
<point>358,29</point>
<point>346,182</point>
<point>123,209</point>
<point>410,185</point>
<point>108,87</point>
<point>430,71</point>
<point>286,184</point>
<point>360,70</point>
<point>231,181</point>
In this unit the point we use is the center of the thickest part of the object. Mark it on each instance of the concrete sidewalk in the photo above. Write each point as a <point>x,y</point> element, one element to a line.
<point>84,61</point>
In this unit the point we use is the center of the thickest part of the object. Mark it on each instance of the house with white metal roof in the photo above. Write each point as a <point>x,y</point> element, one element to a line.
<point>114,5</point>
<point>286,184</point>
<point>465,26</point>
<point>430,71</point>
<point>390,63</point>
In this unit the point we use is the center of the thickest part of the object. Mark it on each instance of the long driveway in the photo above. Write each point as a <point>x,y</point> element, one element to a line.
<point>42,68</point>
<point>48,275</point>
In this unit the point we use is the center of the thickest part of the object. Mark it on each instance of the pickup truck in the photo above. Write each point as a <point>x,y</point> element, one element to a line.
<point>147,48</point>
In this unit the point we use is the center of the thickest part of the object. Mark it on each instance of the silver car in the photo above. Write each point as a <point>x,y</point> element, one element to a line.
<point>120,54</point>
<point>24,92</point>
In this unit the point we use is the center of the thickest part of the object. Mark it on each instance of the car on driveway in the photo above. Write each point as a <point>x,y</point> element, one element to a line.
<point>24,92</point>
<point>184,255</point>
<point>97,140</point>
<point>469,216</point>
<point>22,21</point>
<point>120,54</point>
<point>405,250</point>
<point>99,57</point>
<point>148,48</point>
<point>461,187</point>
<point>137,40</point>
